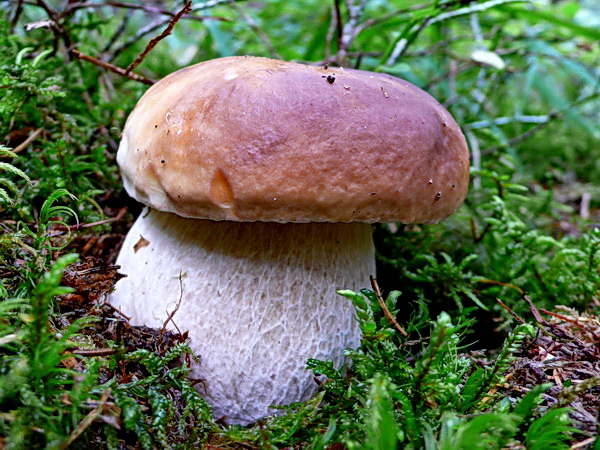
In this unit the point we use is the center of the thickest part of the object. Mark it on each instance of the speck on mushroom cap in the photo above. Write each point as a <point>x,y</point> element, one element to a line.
<point>256,139</point>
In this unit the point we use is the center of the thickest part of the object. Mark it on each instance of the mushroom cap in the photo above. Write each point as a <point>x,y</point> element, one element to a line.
<point>256,139</point>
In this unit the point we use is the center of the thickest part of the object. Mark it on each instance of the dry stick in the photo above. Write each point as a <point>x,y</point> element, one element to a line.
<point>96,352</point>
<point>32,137</point>
<point>512,313</point>
<point>172,314</point>
<point>118,311</point>
<point>87,421</point>
<point>386,311</point>
<point>186,9</point>
<point>572,321</point>
<point>113,68</point>
<point>534,310</point>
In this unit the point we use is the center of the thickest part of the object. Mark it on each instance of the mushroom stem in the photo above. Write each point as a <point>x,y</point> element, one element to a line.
<point>258,299</point>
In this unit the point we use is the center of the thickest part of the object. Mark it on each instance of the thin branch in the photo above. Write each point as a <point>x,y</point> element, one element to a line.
<point>118,32</point>
<point>355,12</point>
<point>87,421</point>
<point>80,226</point>
<point>212,4</point>
<point>475,157</point>
<point>55,25</point>
<point>403,13</point>
<point>517,118</point>
<point>151,27</point>
<point>339,24</point>
<point>32,137</point>
<point>500,283</point>
<point>16,15</point>
<point>512,313</point>
<point>146,8</point>
<point>95,352</point>
<point>113,68</point>
<point>478,7</point>
<point>177,306</point>
<point>259,31</point>
<point>550,117</point>
<point>51,13</point>
<point>330,34</point>
<point>384,308</point>
<point>403,43</point>
<point>186,9</point>
<point>118,311</point>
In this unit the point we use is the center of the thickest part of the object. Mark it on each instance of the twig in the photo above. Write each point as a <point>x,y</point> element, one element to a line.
<point>518,118</point>
<point>58,29</point>
<point>259,31</point>
<point>212,4</point>
<point>79,226</point>
<point>526,135</point>
<point>152,26</point>
<point>146,8</point>
<point>172,313</point>
<point>512,313</point>
<point>32,137</point>
<point>186,9</point>
<point>87,421</point>
<point>339,25</point>
<point>402,13</point>
<point>473,8</point>
<point>475,157</point>
<point>386,311</point>
<point>500,283</point>
<point>118,32</point>
<point>96,352</point>
<point>160,23</point>
<point>534,311</point>
<point>113,68</point>
<point>330,34</point>
<point>17,15</point>
<point>403,43</point>
<point>118,311</point>
<point>355,12</point>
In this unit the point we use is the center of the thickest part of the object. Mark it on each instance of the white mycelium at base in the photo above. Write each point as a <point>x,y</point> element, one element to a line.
<point>258,299</point>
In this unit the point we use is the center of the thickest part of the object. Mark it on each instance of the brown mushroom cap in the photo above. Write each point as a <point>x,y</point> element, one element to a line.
<point>256,139</point>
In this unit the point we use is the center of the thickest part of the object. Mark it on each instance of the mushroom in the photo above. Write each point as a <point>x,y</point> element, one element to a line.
<point>261,178</point>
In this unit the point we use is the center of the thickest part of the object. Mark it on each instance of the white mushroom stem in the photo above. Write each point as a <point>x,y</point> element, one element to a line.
<point>259,299</point>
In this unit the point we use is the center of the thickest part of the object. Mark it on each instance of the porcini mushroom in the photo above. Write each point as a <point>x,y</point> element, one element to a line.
<point>262,178</point>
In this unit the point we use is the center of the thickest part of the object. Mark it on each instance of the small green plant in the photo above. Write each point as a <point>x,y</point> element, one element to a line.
<point>162,425</point>
<point>27,87</point>
<point>7,187</point>
<point>429,398</point>
<point>528,231</point>
<point>33,379</point>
